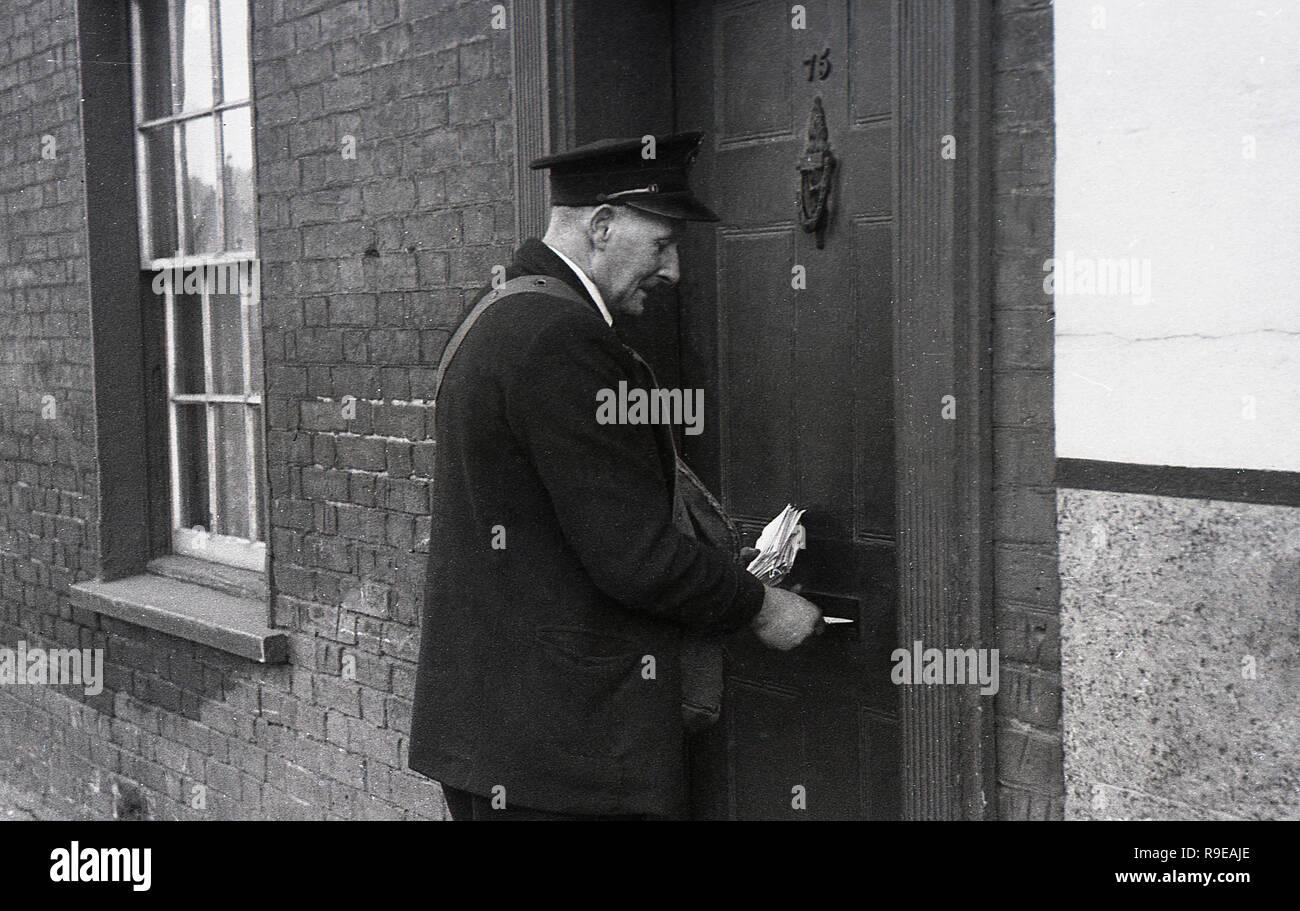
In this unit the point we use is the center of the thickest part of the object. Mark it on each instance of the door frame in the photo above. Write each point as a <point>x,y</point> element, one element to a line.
<point>943,264</point>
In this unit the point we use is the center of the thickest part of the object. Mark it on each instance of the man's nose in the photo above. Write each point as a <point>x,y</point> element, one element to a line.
<point>670,271</point>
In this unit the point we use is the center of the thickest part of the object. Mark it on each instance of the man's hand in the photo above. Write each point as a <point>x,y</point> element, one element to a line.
<point>786,619</point>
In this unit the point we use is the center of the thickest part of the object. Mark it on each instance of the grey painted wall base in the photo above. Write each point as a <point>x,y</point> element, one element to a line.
<point>1165,604</point>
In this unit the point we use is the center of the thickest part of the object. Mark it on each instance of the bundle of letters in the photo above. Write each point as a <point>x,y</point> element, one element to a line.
<point>777,546</point>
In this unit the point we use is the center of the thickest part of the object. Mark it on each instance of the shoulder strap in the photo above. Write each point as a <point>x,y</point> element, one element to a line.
<point>691,499</point>
<point>535,284</point>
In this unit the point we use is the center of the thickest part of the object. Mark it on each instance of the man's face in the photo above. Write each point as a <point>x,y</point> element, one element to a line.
<point>635,254</point>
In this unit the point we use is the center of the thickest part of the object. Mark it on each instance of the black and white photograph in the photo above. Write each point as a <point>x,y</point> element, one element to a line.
<point>650,410</point>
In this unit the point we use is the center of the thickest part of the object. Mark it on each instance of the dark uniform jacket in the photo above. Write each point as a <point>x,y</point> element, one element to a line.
<point>534,656</point>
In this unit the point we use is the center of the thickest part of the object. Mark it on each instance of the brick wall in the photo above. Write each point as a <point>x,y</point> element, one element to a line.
<point>1029,769</point>
<point>48,507</point>
<point>366,263</point>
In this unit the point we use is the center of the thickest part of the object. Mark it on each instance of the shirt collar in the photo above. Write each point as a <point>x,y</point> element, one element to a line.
<point>586,283</point>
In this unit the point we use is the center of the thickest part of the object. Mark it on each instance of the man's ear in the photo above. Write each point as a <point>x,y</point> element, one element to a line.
<point>599,226</point>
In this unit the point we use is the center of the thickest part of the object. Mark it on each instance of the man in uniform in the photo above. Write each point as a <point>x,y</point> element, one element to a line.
<point>556,575</point>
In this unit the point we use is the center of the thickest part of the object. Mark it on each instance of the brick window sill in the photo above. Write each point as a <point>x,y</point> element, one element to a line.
<point>223,612</point>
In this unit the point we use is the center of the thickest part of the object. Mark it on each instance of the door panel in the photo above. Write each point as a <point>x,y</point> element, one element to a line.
<point>756,392</point>
<point>798,389</point>
<point>764,107</point>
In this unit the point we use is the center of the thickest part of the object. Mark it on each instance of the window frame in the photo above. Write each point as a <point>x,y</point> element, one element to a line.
<point>247,553</point>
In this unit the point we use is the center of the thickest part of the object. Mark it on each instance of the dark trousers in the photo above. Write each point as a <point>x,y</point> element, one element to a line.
<point>466,806</point>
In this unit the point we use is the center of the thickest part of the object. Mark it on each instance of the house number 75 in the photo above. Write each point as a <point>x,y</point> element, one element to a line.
<point>819,65</point>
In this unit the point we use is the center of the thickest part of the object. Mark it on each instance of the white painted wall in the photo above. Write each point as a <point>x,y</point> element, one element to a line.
<point>1158,112</point>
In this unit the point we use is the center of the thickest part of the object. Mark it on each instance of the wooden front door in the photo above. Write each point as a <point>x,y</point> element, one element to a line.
<point>792,343</point>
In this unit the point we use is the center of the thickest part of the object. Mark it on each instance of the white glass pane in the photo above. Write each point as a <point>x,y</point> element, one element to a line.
<point>195,54</point>
<point>255,416</point>
<point>227,344</point>
<point>192,457</point>
<point>232,507</point>
<point>255,345</point>
<point>160,173</point>
<point>155,55</point>
<point>234,49</point>
<point>200,159</point>
<point>187,320</point>
<point>237,172</point>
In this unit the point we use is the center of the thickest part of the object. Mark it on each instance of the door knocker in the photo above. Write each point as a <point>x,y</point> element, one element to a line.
<point>816,172</point>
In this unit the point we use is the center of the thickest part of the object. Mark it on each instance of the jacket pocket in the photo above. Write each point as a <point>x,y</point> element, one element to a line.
<point>588,684</point>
